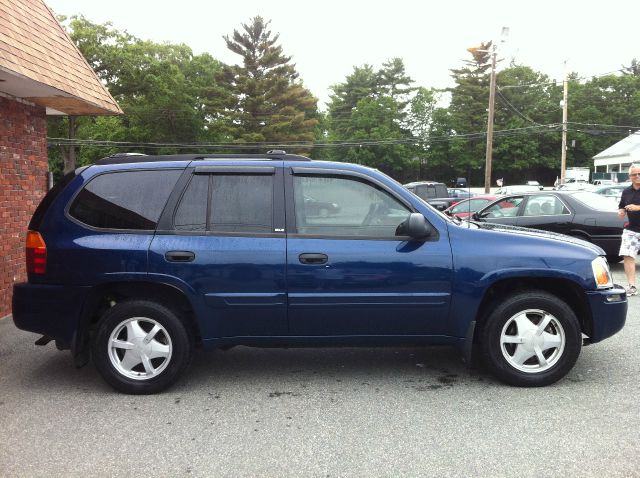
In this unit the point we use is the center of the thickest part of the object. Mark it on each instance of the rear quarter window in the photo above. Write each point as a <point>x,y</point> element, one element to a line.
<point>124,199</point>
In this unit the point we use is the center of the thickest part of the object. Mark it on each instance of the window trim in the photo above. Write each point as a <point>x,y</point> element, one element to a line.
<point>236,170</point>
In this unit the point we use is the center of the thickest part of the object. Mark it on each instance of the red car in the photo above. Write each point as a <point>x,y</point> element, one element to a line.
<point>467,207</point>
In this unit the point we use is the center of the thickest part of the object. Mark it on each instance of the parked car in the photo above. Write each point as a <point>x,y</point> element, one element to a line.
<point>467,207</point>
<point>133,262</point>
<point>460,193</point>
<point>314,207</point>
<point>581,214</point>
<point>461,183</point>
<point>432,192</point>
<point>613,192</point>
<point>516,188</point>
<point>603,182</point>
<point>575,186</point>
<point>536,184</point>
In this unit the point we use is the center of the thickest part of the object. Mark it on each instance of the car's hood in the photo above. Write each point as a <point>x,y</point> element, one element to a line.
<point>526,231</point>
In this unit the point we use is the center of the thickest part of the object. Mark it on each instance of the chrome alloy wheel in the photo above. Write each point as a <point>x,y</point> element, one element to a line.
<point>532,341</point>
<point>140,348</point>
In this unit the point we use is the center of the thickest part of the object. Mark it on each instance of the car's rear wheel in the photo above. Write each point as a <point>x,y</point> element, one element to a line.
<point>531,339</point>
<point>141,347</point>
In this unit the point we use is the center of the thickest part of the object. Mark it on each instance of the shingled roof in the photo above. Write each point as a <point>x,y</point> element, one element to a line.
<point>40,63</point>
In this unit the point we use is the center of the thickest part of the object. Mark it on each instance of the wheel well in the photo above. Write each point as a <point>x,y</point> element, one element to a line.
<point>571,293</point>
<point>105,296</point>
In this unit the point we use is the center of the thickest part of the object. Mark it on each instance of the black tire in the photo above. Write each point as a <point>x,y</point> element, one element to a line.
<point>155,360</point>
<point>518,317</point>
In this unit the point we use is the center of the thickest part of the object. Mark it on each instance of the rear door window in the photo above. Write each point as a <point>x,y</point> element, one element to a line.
<point>227,203</point>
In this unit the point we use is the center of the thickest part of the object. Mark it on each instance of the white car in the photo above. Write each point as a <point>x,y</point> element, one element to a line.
<point>517,188</point>
<point>603,182</point>
<point>576,186</point>
<point>536,184</point>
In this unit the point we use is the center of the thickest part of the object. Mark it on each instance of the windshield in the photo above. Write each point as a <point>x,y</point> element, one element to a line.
<point>596,201</point>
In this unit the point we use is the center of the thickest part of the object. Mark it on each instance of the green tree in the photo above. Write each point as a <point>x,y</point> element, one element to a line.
<point>393,81</point>
<point>602,111</point>
<point>468,114</point>
<point>160,87</point>
<point>422,109</point>
<point>263,99</point>
<point>524,145</point>
<point>371,109</point>
<point>526,141</point>
<point>632,69</point>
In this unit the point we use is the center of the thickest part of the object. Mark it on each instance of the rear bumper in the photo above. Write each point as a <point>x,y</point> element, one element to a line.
<point>609,312</point>
<point>49,310</point>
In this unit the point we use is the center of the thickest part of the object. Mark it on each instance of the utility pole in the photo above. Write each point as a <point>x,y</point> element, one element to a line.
<point>492,103</point>
<point>565,94</point>
<point>69,152</point>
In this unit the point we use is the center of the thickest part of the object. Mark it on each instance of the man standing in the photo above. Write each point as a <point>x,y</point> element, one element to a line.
<point>630,205</point>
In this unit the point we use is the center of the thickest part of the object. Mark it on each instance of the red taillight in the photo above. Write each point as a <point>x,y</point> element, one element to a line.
<point>36,253</point>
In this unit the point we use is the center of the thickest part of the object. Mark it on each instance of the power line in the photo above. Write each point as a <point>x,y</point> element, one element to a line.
<point>299,144</point>
<point>514,108</point>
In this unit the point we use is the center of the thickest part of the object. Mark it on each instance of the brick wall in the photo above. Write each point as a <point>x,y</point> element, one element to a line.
<point>23,183</point>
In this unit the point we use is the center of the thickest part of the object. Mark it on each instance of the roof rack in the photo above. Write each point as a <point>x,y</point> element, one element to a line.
<point>123,158</point>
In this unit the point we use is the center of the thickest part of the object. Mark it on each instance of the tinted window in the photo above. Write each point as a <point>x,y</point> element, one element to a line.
<point>241,203</point>
<point>191,214</point>
<point>345,207</point>
<point>236,203</point>
<point>427,191</point>
<point>124,200</point>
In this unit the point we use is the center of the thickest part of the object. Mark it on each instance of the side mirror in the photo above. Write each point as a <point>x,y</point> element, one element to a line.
<point>415,226</point>
<point>475,216</point>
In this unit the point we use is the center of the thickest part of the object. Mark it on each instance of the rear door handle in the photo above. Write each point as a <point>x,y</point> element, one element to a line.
<point>179,256</point>
<point>313,258</point>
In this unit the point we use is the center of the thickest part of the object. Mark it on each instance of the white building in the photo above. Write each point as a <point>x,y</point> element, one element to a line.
<point>618,157</point>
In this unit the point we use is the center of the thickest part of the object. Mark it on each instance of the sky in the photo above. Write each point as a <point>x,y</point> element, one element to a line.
<point>328,38</point>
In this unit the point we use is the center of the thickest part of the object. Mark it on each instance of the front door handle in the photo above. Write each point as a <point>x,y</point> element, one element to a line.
<point>311,258</point>
<point>179,256</point>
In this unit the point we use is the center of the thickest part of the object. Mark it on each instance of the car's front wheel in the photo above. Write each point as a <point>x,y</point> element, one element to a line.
<point>531,339</point>
<point>141,347</point>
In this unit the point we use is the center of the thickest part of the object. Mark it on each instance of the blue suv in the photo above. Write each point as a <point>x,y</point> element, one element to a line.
<point>136,260</point>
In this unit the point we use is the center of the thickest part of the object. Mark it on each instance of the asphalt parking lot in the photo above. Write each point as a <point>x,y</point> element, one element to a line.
<point>322,412</point>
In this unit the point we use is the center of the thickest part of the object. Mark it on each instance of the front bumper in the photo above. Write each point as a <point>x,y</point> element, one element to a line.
<point>50,310</point>
<point>608,311</point>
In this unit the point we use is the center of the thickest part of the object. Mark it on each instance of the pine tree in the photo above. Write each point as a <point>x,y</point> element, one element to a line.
<point>263,99</point>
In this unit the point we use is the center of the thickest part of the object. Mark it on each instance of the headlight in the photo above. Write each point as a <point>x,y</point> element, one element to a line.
<point>601,273</point>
